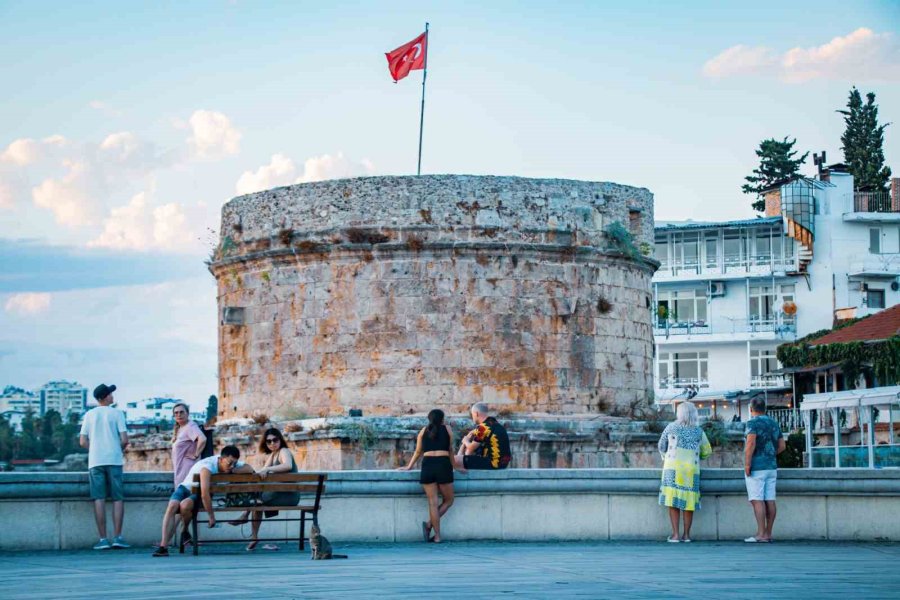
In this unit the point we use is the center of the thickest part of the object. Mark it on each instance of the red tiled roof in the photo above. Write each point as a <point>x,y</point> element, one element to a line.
<point>879,326</point>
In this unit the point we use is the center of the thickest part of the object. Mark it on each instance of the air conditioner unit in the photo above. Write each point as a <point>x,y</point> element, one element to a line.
<point>717,288</point>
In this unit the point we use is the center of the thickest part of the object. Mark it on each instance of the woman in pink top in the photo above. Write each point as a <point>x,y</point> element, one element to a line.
<point>188,441</point>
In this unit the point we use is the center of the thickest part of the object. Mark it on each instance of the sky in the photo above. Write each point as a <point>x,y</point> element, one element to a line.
<point>124,128</point>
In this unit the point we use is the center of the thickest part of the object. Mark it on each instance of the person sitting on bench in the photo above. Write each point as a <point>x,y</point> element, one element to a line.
<point>183,500</point>
<point>486,446</point>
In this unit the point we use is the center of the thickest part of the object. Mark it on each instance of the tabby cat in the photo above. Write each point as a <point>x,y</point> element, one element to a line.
<point>320,546</point>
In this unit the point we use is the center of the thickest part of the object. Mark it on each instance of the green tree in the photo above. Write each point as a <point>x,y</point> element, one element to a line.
<point>212,408</point>
<point>776,162</point>
<point>862,143</point>
<point>7,439</point>
<point>66,437</point>
<point>50,423</point>
<point>28,444</point>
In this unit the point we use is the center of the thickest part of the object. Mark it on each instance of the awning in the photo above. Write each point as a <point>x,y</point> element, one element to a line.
<point>848,398</point>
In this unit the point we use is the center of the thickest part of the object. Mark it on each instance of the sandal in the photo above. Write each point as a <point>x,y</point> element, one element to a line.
<point>252,546</point>
<point>271,547</point>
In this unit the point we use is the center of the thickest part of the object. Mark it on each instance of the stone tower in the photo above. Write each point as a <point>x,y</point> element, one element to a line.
<point>396,295</point>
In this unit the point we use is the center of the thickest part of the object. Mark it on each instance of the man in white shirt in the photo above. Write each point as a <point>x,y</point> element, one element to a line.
<point>183,499</point>
<point>103,434</point>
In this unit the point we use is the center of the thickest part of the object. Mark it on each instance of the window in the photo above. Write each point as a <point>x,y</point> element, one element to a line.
<point>762,362</point>
<point>762,303</point>
<point>875,298</point>
<point>732,253</point>
<point>684,306</point>
<point>683,368</point>
<point>712,250</point>
<point>874,240</point>
<point>763,247</point>
<point>662,251</point>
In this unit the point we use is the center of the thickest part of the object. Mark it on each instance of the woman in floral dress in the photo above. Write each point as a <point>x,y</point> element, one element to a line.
<point>682,445</point>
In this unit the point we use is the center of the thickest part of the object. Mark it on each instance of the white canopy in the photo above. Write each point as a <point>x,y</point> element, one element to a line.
<point>864,397</point>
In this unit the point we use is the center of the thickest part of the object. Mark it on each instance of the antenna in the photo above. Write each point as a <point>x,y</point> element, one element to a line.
<point>819,161</point>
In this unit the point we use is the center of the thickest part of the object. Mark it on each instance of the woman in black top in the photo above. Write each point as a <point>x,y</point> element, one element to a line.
<point>434,444</point>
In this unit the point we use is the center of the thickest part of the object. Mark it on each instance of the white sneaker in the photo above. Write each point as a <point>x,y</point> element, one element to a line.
<point>119,543</point>
<point>103,544</point>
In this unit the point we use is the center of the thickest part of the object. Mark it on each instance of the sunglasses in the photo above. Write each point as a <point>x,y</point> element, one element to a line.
<point>272,440</point>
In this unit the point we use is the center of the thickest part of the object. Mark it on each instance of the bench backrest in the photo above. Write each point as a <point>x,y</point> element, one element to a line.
<point>303,483</point>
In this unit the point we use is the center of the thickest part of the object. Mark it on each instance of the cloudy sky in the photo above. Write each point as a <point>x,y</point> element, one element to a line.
<point>124,127</point>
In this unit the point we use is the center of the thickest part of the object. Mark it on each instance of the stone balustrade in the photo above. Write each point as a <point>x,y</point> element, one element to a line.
<point>52,510</point>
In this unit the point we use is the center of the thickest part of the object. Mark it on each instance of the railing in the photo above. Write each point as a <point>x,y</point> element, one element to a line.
<point>727,265</point>
<point>769,381</point>
<point>874,202</point>
<point>682,382</point>
<point>887,263</point>
<point>780,326</point>
<point>789,419</point>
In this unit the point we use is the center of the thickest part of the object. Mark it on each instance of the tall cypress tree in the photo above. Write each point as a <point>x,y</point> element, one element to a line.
<point>862,143</point>
<point>776,162</point>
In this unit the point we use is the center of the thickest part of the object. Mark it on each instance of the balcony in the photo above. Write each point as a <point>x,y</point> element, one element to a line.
<point>873,207</point>
<point>779,327</point>
<point>877,266</point>
<point>729,267</point>
<point>769,381</point>
<point>682,382</point>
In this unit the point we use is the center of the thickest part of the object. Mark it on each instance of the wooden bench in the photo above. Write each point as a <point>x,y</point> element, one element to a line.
<point>310,486</point>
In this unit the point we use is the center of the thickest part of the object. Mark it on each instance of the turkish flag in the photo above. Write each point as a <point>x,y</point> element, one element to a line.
<point>408,57</point>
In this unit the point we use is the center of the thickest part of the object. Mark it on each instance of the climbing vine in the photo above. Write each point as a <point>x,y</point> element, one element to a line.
<point>882,357</point>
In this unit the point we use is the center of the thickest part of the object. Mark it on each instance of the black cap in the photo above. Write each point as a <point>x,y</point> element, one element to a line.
<point>103,390</point>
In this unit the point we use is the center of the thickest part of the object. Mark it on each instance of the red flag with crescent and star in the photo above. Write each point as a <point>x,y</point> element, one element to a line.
<point>408,57</point>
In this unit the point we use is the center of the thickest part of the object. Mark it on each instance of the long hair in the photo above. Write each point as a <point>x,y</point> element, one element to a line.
<point>686,414</point>
<point>435,422</point>
<point>177,426</point>
<point>263,447</point>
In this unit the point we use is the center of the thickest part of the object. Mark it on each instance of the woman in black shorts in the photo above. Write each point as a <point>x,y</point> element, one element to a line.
<point>434,444</point>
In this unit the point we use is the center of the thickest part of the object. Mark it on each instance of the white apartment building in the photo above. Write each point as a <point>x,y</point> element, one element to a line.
<point>17,400</point>
<point>728,293</point>
<point>64,397</point>
<point>152,411</point>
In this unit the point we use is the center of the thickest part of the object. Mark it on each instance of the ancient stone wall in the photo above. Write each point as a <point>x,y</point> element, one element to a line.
<point>399,294</point>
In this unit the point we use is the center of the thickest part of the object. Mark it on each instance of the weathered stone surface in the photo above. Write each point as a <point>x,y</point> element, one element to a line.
<point>398,294</point>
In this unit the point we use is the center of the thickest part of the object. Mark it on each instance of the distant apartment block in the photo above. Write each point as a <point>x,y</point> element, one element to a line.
<point>15,399</point>
<point>728,293</point>
<point>65,397</point>
<point>155,411</point>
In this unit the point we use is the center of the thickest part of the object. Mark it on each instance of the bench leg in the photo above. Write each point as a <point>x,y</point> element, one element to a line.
<point>180,537</point>
<point>196,544</point>
<point>302,528</point>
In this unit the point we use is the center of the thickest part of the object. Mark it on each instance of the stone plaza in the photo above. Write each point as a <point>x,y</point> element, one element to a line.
<point>469,570</point>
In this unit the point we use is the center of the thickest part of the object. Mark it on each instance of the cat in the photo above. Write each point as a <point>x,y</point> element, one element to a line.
<point>320,546</point>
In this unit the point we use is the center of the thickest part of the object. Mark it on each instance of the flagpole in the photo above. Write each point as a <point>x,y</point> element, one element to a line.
<point>422,112</point>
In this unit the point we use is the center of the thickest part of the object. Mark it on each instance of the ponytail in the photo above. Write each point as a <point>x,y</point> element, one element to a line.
<point>435,422</point>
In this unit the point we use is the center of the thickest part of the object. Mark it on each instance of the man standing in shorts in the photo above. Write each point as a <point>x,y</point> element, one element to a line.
<point>486,446</point>
<point>764,442</point>
<point>103,434</point>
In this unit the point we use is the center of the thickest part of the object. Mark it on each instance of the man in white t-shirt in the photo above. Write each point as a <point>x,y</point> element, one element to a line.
<point>184,499</point>
<point>103,434</point>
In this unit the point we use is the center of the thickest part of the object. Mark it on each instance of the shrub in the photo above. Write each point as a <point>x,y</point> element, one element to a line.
<point>715,432</point>
<point>792,457</point>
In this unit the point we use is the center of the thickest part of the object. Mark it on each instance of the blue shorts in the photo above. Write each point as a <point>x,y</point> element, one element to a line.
<point>182,493</point>
<point>106,482</point>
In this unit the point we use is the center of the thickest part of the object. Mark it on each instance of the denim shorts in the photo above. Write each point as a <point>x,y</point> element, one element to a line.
<point>182,493</point>
<point>106,482</point>
<point>761,484</point>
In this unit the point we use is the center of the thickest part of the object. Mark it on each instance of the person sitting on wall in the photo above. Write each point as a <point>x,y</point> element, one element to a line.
<point>183,499</point>
<point>486,446</point>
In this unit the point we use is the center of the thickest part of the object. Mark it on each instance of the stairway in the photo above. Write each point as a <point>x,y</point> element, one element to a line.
<point>805,238</point>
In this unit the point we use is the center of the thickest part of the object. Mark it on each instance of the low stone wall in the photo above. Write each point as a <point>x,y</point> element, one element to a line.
<point>47,511</point>
<point>342,443</point>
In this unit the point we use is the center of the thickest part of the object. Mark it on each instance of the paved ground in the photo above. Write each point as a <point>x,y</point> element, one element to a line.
<point>468,570</point>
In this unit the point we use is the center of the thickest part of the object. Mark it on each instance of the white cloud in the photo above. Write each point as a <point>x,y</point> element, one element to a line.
<point>280,171</point>
<point>213,135</point>
<point>21,152</point>
<point>28,303</point>
<point>68,198</point>
<point>7,197</point>
<point>860,55</point>
<point>104,107</point>
<point>138,226</point>
<point>327,166</point>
